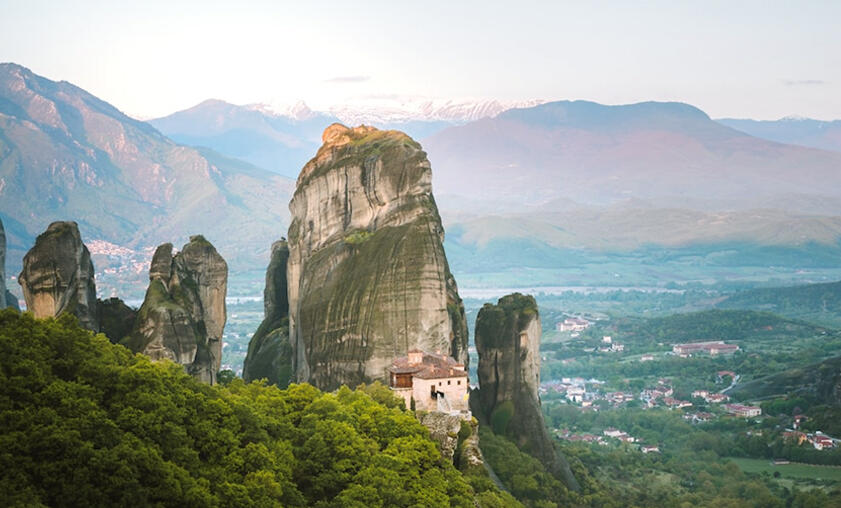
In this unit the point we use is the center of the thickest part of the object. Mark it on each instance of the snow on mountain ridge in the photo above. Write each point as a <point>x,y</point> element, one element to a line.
<point>393,109</point>
<point>296,111</point>
<point>390,109</point>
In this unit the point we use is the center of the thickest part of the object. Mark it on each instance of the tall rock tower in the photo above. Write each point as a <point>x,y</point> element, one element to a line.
<point>58,276</point>
<point>508,343</point>
<point>183,314</point>
<point>368,278</point>
<point>269,351</point>
<point>2,266</point>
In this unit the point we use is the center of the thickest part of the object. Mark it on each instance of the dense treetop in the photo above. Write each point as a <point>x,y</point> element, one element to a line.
<point>87,423</point>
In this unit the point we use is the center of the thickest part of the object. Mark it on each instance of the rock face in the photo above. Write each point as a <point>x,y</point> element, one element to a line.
<point>368,278</point>
<point>58,276</point>
<point>183,315</point>
<point>2,266</point>
<point>269,352</point>
<point>508,343</point>
<point>458,440</point>
<point>116,319</point>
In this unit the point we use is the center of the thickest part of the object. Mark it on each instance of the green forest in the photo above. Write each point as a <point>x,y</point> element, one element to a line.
<point>87,423</point>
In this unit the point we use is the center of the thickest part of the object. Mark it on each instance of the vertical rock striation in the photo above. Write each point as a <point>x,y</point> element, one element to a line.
<point>2,266</point>
<point>269,351</point>
<point>58,276</point>
<point>368,278</point>
<point>508,343</point>
<point>183,314</point>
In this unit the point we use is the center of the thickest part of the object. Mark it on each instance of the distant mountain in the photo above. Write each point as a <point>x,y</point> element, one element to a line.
<point>816,303</point>
<point>667,153</point>
<point>283,138</point>
<point>393,110</point>
<point>794,131</point>
<point>65,154</point>
<point>280,141</point>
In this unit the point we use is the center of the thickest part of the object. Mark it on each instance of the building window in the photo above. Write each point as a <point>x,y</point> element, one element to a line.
<point>449,382</point>
<point>459,381</point>
<point>439,383</point>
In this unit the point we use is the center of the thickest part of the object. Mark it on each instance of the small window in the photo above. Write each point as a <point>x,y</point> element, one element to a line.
<point>439,383</point>
<point>459,381</point>
<point>449,382</point>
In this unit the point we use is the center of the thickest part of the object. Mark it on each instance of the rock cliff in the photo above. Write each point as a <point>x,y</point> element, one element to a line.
<point>2,266</point>
<point>457,439</point>
<point>116,319</point>
<point>269,351</point>
<point>368,278</point>
<point>58,276</point>
<point>508,343</point>
<point>183,315</point>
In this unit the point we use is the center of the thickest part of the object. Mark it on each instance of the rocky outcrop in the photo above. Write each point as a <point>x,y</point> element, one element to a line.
<point>116,319</point>
<point>457,438</point>
<point>508,343</point>
<point>183,315</point>
<point>58,276</point>
<point>368,278</point>
<point>2,266</point>
<point>443,429</point>
<point>269,351</point>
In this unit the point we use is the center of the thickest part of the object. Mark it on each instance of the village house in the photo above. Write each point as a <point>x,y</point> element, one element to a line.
<point>612,432</point>
<point>821,441</point>
<point>794,437</point>
<point>649,449</point>
<point>675,403</point>
<point>573,325</point>
<point>430,382</point>
<point>575,393</point>
<point>699,417</point>
<point>716,398</point>
<point>743,411</point>
<point>710,348</point>
<point>646,358</point>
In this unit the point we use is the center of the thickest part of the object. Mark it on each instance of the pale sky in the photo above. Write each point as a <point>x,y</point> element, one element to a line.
<point>756,59</point>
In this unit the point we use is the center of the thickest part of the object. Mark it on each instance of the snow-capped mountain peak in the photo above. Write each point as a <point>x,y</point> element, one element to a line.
<point>296,111</point>
<point>387,109</point>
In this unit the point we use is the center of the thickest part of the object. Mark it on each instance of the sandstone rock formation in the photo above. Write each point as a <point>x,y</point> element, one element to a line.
<point>508,343</point>
<point>269,352</point>
<point>368,278</point>
<point>58,276</point>
<point>2,266</point>
<point>458,440</point>
<point>183,315</point>
<point>116,319</point>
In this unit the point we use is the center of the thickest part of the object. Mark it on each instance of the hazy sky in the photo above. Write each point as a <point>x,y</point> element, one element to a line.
<point>760,59</point>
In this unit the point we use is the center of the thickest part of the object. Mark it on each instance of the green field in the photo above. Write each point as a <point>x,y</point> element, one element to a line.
<point>794,471</point>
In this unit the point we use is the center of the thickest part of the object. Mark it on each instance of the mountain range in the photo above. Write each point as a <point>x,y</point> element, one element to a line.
<point>669,154</point>
<point>551,184</point>
<point>283,138</point>
<point>792,130</point>
<point>67,155</point>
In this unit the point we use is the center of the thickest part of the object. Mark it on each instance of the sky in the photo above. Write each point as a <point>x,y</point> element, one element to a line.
<point>742,59</point>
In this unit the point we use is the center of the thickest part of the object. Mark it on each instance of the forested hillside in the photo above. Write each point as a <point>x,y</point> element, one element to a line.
<point>86,423</point>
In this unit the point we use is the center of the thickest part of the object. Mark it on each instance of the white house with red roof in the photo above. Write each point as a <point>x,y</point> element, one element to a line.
<point>435,382</point>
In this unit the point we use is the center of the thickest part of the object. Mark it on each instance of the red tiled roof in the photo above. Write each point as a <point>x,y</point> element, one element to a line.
<point>432,366</point>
